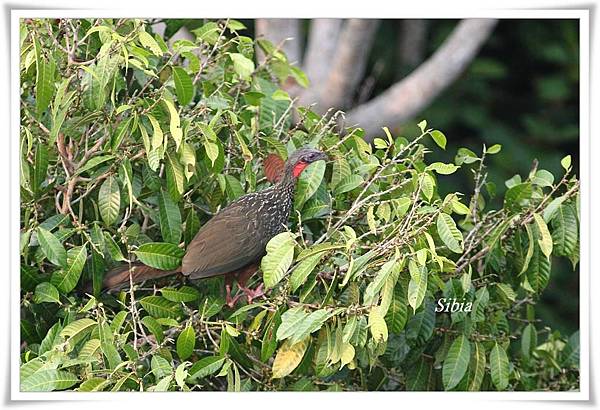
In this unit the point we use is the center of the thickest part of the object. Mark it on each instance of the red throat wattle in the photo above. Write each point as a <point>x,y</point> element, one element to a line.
<point>298,168</point>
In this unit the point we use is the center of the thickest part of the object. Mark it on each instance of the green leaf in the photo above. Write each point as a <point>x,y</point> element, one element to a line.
<point>44,84</point>
<point>565,231</point>
<point>183,86</point>
<point>417,285</point>
<point>107,345</point>
<point>279,258</point>
<point>243,66</point>
<point>212,151</point>
<point>154,327</point>
<point>51,247</point>
<point>528,340</point>
<point>476,367</point>
<point>420,326</point>
<point>566,162</point>
<point>186,342</point>
<point>494,149</point>
<point>439,138</point>
<point>66,279</point>
<point>157,134</point>
<point>419,376</point>
<point>303,269</point>
<point>158,306</point>
<point>170,218</point>
<point>465,156</point>
<point>443,169</point>
<point>46,292</point>
<point>552,208</point>
<point>160,366</point>
<point>499,367</point>
<point>49,380</point>
<point>159,255</point>
<point>175,177</point>
<point>182,294</point>
<point>192,226</point>
<point>427,186</point>
<point>308,183</point>
<point>377,283</point>
<point>113,249</point>
<point>310,324</point>
<point>40,169</point>
<point>448,233</point>
<point>76,331</point>
<point>530,248</point>
<point>482,297</point>
<point>538,272</point>
<point>109,200</point>
<point>290,320</point>
<point>150,43</point>
<point>93,163</point>
<point>457,362</point>
<point>348,183</point>
<point>543,178</point>
<point>518,196</point>
<point>341,169</point>
<point>205,367</point>
<point>397,312</point>
<point>51,339</point>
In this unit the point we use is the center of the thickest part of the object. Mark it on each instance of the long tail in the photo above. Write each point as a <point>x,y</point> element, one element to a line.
<point>119,277</point>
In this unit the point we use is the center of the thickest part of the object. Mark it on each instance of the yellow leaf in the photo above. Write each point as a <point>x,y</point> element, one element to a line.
<point>377,325</point>
<point>546,239</point>
<point>288,357</point>
<point>174,125</point>
<point>347,354</point>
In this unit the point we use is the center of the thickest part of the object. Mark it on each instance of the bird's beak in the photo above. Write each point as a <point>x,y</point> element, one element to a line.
<point>322,156</point>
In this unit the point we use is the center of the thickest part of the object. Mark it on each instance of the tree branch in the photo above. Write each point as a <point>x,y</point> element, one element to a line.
<point>408,97</point>
<point>348,64</point>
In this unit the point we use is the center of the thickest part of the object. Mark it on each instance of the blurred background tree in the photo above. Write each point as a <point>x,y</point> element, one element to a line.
<point>514,82</point>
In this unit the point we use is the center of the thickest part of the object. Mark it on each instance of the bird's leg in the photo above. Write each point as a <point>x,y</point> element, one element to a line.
<point>228,284</point>
<point>243,276</point>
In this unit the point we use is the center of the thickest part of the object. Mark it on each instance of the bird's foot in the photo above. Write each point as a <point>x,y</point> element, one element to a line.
<point>252,294</point>
<point>229,300</point>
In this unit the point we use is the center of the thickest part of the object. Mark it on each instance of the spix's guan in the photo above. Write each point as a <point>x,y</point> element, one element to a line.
<point>233,241</point>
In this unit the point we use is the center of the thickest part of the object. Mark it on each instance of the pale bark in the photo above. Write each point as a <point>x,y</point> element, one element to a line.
<point>284,32</point>
<point>408,97</point>
<point>348,64</point>
<point>320,49</point>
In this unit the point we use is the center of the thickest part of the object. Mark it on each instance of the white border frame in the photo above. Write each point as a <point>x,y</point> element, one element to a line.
<point>249,12</point>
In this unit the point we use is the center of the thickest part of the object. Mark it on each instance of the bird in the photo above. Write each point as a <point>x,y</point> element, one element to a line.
<point>234,240</point>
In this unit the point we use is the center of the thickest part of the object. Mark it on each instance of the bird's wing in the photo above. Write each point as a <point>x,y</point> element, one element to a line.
<point>227,242</point>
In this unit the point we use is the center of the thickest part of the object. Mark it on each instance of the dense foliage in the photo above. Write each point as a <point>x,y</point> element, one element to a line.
<point>129,145</point>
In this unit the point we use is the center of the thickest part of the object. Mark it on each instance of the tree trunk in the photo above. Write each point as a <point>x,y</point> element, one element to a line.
<point>322,42</point>
<point>348,64</point>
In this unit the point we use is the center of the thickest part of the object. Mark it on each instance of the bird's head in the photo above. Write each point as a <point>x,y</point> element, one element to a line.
<point>302,158</point>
